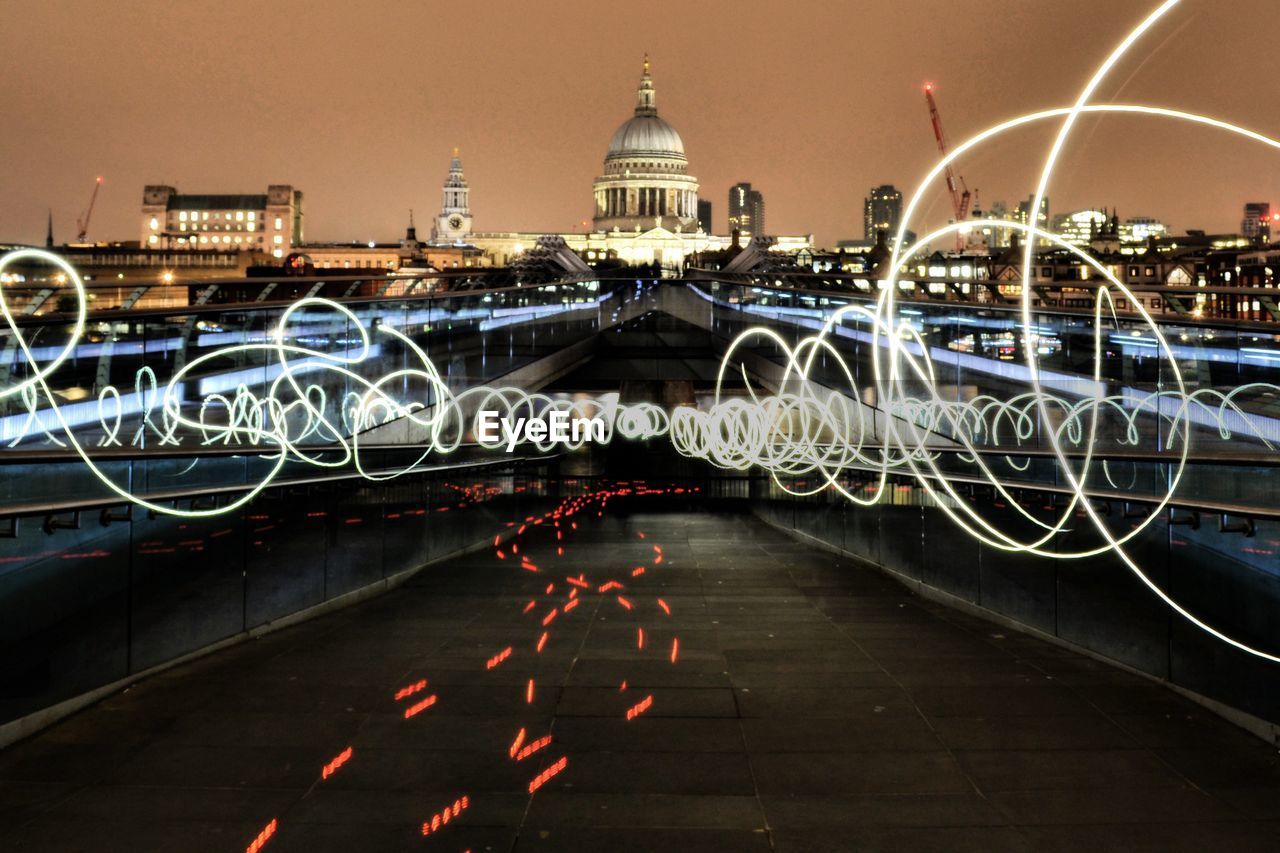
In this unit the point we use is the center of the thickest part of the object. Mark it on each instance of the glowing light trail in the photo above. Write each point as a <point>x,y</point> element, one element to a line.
<point>803,429</point>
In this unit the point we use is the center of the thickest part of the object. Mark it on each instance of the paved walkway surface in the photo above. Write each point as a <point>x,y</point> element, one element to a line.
<point>813,706</point>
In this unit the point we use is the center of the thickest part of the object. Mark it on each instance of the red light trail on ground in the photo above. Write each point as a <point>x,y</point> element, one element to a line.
<point>405,692</point>
<point>419,707</point>
<point>263,837</point>
<point>333,766</point>
<point>575,590</point>
<point>441,818</point>
<point>532,747</point>
<point>546,775</point>
<point>640,707</point>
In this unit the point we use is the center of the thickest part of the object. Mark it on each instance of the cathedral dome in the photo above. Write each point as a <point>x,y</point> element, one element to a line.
<point>646,182</point>
<point>646,135</point>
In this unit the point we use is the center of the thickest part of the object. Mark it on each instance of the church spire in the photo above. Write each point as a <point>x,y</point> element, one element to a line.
<point>48,237</point>
<point>453,223</point>
<point>645,95</point>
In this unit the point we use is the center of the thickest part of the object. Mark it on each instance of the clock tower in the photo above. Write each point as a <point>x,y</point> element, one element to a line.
<point>453,225</point>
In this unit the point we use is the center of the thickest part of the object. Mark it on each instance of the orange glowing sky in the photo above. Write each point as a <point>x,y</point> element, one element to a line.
<point>360,104</point>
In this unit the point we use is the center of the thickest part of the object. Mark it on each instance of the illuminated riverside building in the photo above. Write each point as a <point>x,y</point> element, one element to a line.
<point>270,223</point>
<point>645,201</point>
<point>1080,227</point>
<point>646,211</point>
<point>646,182</point>
<point>1140,229</point>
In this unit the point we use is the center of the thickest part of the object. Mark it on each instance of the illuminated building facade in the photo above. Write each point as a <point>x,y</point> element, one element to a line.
<point>647,208</point>
<point>270,223</point>
<point>1081,227</point>
<point>646,182</point>
<point>1256,224</point>
<point>746,211</point>
<point>881,211</point>
<point>1040,220</point>
<point>1140,229</point>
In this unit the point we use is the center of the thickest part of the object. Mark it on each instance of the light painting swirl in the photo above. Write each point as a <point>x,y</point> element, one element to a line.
<point>796,427</point>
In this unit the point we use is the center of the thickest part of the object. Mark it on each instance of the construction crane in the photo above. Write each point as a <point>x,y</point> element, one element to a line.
<point>960,197</point>
<point>82,224</point>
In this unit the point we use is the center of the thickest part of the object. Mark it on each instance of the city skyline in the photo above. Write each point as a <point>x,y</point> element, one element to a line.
<point>215,107</point>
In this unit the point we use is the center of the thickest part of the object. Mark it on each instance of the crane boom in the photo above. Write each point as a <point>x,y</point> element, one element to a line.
<point>82,224</point>
<point>960,196</point>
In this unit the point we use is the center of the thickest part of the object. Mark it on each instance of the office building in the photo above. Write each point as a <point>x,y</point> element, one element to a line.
<point>746,210</point>
<point>704,215</point>
<point>882,211</point>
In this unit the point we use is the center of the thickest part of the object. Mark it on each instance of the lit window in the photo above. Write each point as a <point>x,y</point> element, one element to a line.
<point>239,216</point>
<point>251,226</point>
<point>206,216</point>
<point>155,224</point>
<point>277,239</point>
<point>182,216</point>
<point>155,239</point>
<point>279,223</point>
<point>279,253</point>
<point>252,216</point>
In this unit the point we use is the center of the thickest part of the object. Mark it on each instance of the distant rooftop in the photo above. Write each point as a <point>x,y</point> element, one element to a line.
<point>217,202</point>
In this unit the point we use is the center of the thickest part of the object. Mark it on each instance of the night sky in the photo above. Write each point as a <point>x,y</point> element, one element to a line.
<point>359,105</point>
